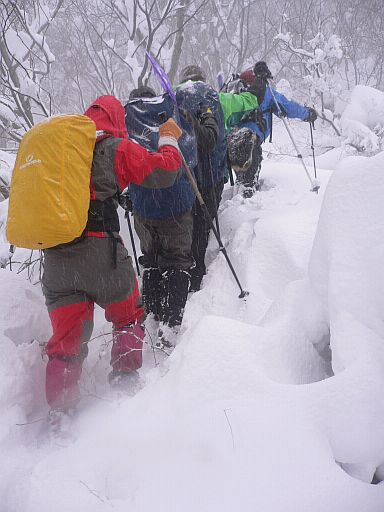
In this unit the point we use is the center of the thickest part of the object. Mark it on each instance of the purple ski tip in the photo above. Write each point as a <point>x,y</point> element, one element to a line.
<point>162,77</point>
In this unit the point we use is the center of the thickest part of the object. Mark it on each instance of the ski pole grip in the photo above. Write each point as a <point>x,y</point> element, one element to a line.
<point>163,117</point>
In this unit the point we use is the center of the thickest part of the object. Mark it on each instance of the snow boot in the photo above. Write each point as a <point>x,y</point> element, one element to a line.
<point>241,142</point>
<point>167,336</point>
<point>60,424</point>
<point>195,283</point>
<point>248,192</point>
<point>176,287</point>
<point>152,291</point>
<point>126,353</point>
<point>62,382</point>
<point>126,383</point>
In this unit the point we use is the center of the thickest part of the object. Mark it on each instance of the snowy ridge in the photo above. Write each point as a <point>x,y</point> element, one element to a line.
<point>252,411</point>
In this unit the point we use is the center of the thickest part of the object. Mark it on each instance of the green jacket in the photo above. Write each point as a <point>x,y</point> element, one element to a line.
<point>235,106</point>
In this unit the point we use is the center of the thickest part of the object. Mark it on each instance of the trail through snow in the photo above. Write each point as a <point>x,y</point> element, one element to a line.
<point>271,404</point>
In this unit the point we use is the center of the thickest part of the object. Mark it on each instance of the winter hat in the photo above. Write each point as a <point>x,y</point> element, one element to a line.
<point>142,92</point>
<point>192,73</point>
<point>261,69</point>
<point>247,76</point>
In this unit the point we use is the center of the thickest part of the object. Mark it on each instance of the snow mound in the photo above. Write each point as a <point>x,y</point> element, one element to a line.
<point>23,316</point>
<point>362,119</point>
<point>252,411</point>
<point>346,262</point>
<point>346,270</point>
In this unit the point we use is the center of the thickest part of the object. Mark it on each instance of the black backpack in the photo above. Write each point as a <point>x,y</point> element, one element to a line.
<point>195,96</point>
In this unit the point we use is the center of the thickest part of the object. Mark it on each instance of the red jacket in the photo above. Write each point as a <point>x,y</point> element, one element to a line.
<point>133,163</point>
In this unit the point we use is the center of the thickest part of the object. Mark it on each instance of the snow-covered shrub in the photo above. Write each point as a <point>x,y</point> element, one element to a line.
<point>6,166</point>
<point>362,121</point>
<point>320,60</point>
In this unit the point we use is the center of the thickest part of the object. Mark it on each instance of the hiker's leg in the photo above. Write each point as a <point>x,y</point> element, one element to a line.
<point>201,231</point>
<point>152,278</point>
<point>128,334</point>
<point>72,324</point>
<point>175,261</point>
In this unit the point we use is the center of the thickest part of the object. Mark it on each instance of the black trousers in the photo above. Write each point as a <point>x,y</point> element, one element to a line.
<point>250,177</point>
<point>201,230</point>
<point>166,243</point>
<point>167,259</point>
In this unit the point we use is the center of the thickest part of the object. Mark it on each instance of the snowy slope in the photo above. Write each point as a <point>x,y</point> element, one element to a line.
<point>252,411</point>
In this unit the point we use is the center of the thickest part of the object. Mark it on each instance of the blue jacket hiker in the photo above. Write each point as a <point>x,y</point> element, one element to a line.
<point>244,141</point>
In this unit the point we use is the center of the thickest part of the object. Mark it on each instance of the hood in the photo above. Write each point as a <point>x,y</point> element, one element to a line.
<point>109,116</point>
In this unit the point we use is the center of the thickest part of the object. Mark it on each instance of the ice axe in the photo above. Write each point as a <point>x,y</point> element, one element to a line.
<point>167,87</point>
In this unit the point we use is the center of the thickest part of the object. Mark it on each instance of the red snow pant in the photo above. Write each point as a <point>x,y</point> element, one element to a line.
<point>76,276</point>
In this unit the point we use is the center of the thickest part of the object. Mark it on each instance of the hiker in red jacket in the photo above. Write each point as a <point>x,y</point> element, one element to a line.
<point>96,267</point>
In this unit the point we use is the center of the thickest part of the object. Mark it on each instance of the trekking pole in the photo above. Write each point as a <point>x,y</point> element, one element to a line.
<point>311,128</point>
<point>214,197</point>
<point>222,249</point>
<point>221,82</point>
<point>230,172</point>
<point>132,241</point>
<point>11,252</point>
<point>203,206</point>
<point>167,86</point>
<point>315,186</point>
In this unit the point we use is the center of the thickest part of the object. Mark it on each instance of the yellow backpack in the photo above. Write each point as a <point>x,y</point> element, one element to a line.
<point>50,194</point>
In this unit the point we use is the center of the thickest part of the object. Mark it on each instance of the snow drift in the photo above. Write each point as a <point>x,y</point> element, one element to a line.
<point>362,119</point>
<point>273,404</point>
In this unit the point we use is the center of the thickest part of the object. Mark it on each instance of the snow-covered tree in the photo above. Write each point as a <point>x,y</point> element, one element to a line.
<point>225,37</point>
<point>25,63</point>
<point>104,44</point>
<point>320,60</point>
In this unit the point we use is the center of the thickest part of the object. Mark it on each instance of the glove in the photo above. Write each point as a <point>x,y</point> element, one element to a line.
<point>312,115</point>
<point>261,69</point>
<point>125,201</point>
<point>170,129</point>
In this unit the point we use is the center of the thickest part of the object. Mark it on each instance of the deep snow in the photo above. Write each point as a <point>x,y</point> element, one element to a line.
<point>273,404</point>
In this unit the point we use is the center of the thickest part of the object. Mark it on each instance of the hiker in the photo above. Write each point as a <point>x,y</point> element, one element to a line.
<point>163,222</point>
<point>195,96</point>
<point>96,267</point>
<point>202,106</point>
<point>245,140</point>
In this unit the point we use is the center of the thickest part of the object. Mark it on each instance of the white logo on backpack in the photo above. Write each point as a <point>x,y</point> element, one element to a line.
<point>30,161</point>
